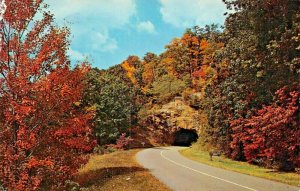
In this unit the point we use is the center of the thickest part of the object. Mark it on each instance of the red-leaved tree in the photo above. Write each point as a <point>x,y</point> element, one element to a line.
<point>122,142</point>
<point>43,136</point>
<point>272,135</point>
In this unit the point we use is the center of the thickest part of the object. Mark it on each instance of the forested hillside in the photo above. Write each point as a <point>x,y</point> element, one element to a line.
<point>239,86</point>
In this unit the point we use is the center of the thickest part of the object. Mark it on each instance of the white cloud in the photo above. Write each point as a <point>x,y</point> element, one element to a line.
<point>188,13</point>
<point>104,43</point>
<point>112,13</point>
<point>76,55</point>
<point>92,21</point>
<point>146,26</point>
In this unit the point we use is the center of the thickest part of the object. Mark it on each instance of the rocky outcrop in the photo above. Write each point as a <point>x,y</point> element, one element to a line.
<point>171,118</point>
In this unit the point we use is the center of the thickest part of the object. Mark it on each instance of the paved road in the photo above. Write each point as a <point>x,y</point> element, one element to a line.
<point>182,174</point>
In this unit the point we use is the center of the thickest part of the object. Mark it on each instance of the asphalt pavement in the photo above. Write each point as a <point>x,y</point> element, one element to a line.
<point>182,174</point>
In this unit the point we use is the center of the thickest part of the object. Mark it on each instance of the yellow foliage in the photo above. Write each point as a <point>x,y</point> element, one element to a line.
<point>91,108</point>
<point>148,74</point>
<point>169,63</point>
<point>77,103</point>
<point>206,73</point>
<point>130,71</point>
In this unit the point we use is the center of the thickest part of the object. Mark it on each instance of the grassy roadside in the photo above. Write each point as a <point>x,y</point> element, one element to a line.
<point>242,167</point>
<point>118,171</point>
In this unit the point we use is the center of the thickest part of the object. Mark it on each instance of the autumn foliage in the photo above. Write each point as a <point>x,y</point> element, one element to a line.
<point>272,134</point>
<point>122,142</point>
<point>43,134</point>
<point>130,71</point>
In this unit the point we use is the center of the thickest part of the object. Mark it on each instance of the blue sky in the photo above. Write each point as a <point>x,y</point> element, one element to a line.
<point>108,31</point>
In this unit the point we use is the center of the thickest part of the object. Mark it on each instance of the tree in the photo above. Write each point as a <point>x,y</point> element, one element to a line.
<point>43,135</point>
<point>193,42</point>
<point>200,43</point>
<point>260,56</point>
<point>272,134</point>
<point>133,67</point>
<point>176,60</point>
<point>205,75</point>
<point>262,47</point>
<point>167,87</point>
<point>149,74</point>
<point>114,103</point>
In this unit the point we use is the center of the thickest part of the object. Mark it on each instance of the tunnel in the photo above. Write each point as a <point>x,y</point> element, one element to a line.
<point>185,137</point>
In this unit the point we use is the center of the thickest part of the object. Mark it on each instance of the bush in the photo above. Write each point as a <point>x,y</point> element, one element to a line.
<point>123,142</point>
<point>272,134</point>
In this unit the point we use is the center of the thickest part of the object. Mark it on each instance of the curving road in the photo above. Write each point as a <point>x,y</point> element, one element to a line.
<point>182,174</point>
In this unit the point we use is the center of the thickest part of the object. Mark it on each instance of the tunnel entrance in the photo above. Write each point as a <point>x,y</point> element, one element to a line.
<point>185,137</point>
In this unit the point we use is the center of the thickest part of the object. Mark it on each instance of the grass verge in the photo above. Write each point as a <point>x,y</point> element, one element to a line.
<point>242,167</point>
<point>117,171</point>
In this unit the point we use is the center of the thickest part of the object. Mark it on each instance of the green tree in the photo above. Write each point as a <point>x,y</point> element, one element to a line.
<point>167,87</point>
<point>114,103</point>
<point>261,55</point>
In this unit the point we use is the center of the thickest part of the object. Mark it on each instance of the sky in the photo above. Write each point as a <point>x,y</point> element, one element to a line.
<point>108,31</point>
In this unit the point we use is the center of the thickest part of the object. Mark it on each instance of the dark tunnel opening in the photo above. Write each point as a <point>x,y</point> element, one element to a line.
<point>185,137</point>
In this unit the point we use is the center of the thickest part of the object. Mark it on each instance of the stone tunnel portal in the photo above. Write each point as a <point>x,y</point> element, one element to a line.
<point>185,137</point>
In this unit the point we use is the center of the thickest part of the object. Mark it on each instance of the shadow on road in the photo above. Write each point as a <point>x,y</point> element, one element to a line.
<point>100,176</point>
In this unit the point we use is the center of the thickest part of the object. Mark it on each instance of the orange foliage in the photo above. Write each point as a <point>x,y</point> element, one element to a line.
<point>148,75</point>
<point>169,64</point>
<point>207,51</point>
<point>130,71</point>
<point>193,43</point>
<point>43,135</point>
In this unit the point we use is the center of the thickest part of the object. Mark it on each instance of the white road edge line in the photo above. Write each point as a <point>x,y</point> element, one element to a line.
<point>203,173</point>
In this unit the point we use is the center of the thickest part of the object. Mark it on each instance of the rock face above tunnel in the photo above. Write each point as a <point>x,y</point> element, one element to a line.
<point>185,137</point>
<point>180,115</point>
<point>164,121</point>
